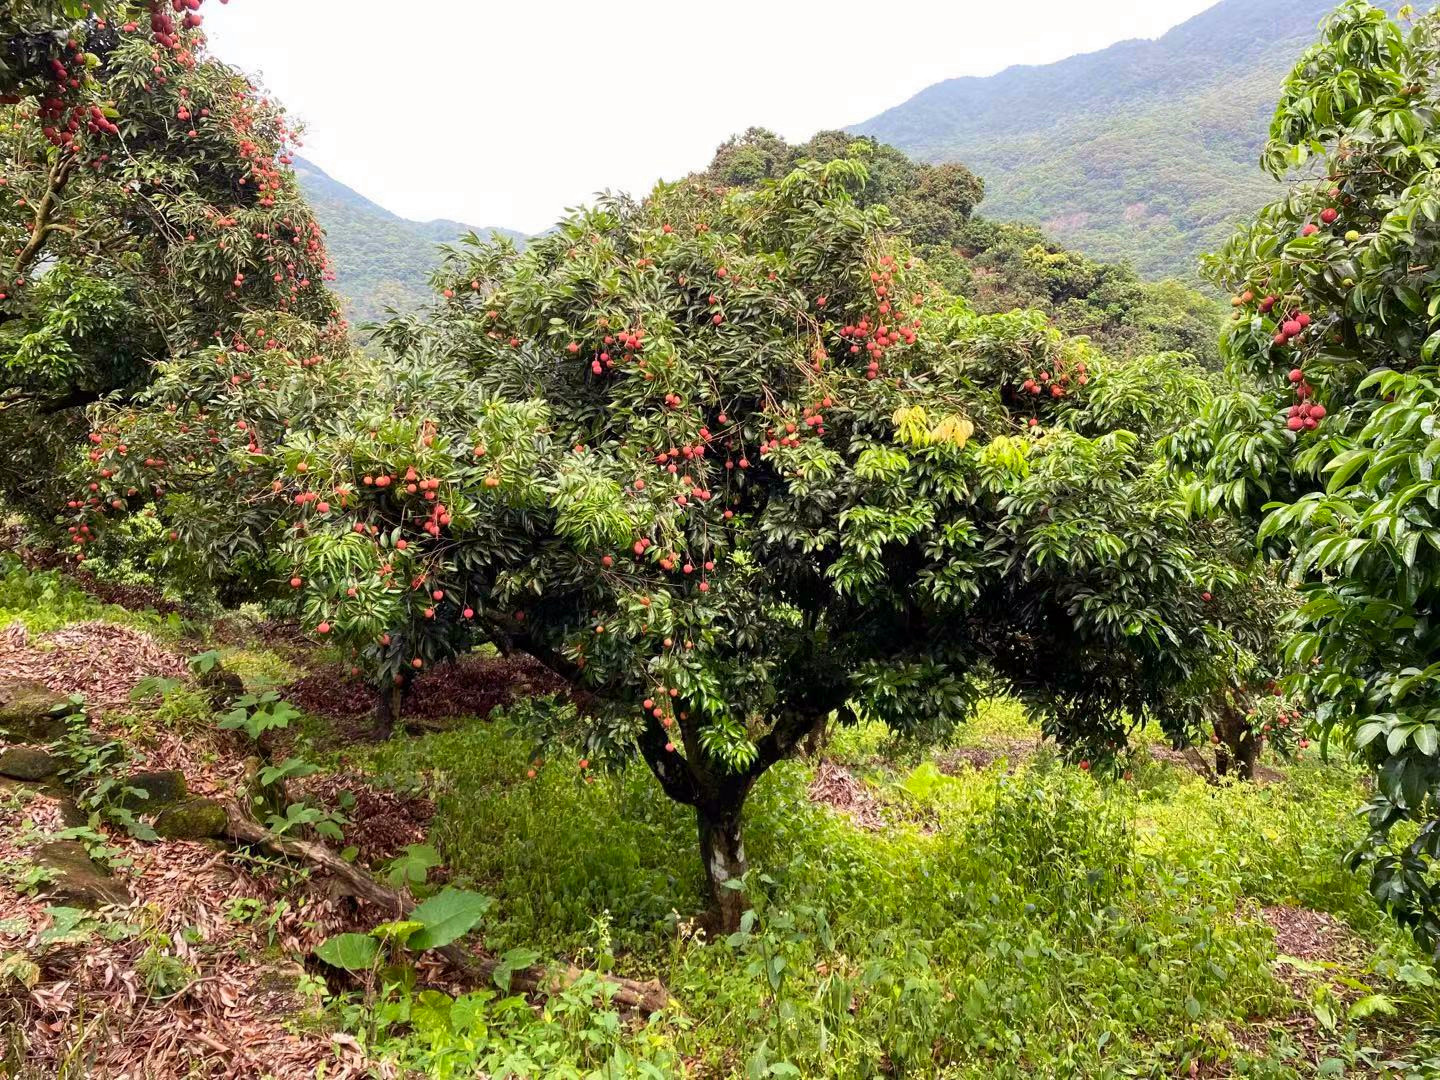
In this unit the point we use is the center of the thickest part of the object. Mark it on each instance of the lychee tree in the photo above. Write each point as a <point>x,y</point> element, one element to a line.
<point>174,228</point>
<point>734,467</point>
<point>997,266</point>
<point>1328,439</point>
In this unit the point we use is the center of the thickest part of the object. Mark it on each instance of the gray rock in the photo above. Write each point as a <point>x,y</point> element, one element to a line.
<point>70,813</point>
<point>78,880</point>
<point>163,788</point>
<point>193,819</point>
<point>28,763</point>
<point>27,712</point>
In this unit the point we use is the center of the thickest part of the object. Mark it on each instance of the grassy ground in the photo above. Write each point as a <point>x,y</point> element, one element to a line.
<point>977,911</point>
<point>1020,920</point>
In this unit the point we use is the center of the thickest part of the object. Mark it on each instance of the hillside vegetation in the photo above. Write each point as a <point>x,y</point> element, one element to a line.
<point>997,266</point>
<point>382,260</point>
<point>1145,152</point>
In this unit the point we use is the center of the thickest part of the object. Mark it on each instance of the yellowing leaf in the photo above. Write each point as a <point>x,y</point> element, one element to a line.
<point>953,429</point>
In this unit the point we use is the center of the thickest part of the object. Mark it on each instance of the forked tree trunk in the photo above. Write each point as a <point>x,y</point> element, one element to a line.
<point>718,796</point>
<point>723,852</point>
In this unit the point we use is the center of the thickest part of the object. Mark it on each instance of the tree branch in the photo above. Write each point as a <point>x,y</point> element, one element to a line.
<point>48,406</point>
<point>55,183</point>
<point>785,737</point>
<point>669,767</point>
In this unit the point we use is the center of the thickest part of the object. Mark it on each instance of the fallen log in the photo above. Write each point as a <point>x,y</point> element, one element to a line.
<point>629,994</point>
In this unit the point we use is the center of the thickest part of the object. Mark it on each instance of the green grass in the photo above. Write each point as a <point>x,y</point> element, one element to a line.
<point>1052,924</point>
<point>1021,920</point>
<point>45,601</point>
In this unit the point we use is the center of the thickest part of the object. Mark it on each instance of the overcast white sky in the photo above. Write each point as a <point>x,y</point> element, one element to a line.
<point>504,114</point>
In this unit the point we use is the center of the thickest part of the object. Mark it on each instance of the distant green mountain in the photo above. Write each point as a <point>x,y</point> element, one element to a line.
<point>381,259</point>
<point>1145,152</point>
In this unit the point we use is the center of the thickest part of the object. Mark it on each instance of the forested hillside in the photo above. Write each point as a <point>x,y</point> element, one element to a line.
<point>381,259</point>
<point>997,266</point>
<point>1145,152</point>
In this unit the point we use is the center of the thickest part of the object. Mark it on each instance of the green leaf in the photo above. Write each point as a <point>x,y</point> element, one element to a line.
<point>511,962</point>
<point>351,952</point>
<point>205,662</point>
<point>400,931</point>
<point>413,865</point>
<point>1371,1005</point>
<point>447,916</point>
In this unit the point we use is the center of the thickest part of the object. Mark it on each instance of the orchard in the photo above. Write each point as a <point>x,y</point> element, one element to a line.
<point>1014,671</point>
<point>732,466</point>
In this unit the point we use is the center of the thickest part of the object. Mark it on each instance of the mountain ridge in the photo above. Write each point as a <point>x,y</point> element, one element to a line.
<point>382,260</point>
<point>1146,151</point>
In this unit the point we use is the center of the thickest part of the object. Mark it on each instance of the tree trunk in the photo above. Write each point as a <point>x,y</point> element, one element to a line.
<point>723,853</point>
<point>1238,748</point>
<point>1246,754</point>
<point>819,736</point>
<point>1222,760</point>
<point>388,703</point>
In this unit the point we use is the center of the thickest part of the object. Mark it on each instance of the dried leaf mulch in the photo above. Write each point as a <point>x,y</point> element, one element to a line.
<point>1193,760</point>
<point>961,759</point>
<point>380,824</point>
<point>1312,948</point>
<point>101,660</point>
<point>1314,938</point>
<point>226,1010</point>
<point>837,788</point>
<point>471,686</point>
<point>133,597</point>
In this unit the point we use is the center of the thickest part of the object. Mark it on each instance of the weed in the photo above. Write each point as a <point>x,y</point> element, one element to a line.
<point>1043,922</point>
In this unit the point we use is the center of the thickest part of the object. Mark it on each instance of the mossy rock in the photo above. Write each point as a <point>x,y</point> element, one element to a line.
<point>76,879</point>
<point>220,685</point>
<point>193,819</point>
<point>161,789</point>
<point>28,763</point>
<point>28,712</point>
<point>281,977</point>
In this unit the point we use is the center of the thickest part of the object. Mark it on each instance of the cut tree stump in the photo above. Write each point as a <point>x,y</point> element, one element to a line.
<point>629,994</point>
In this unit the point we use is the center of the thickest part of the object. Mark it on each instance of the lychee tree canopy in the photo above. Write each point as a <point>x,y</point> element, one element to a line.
<point>747,423</point>
<point>36,33</point>
<point>732,464</point>
<point>1329,440</point>
<point>180,230</point>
